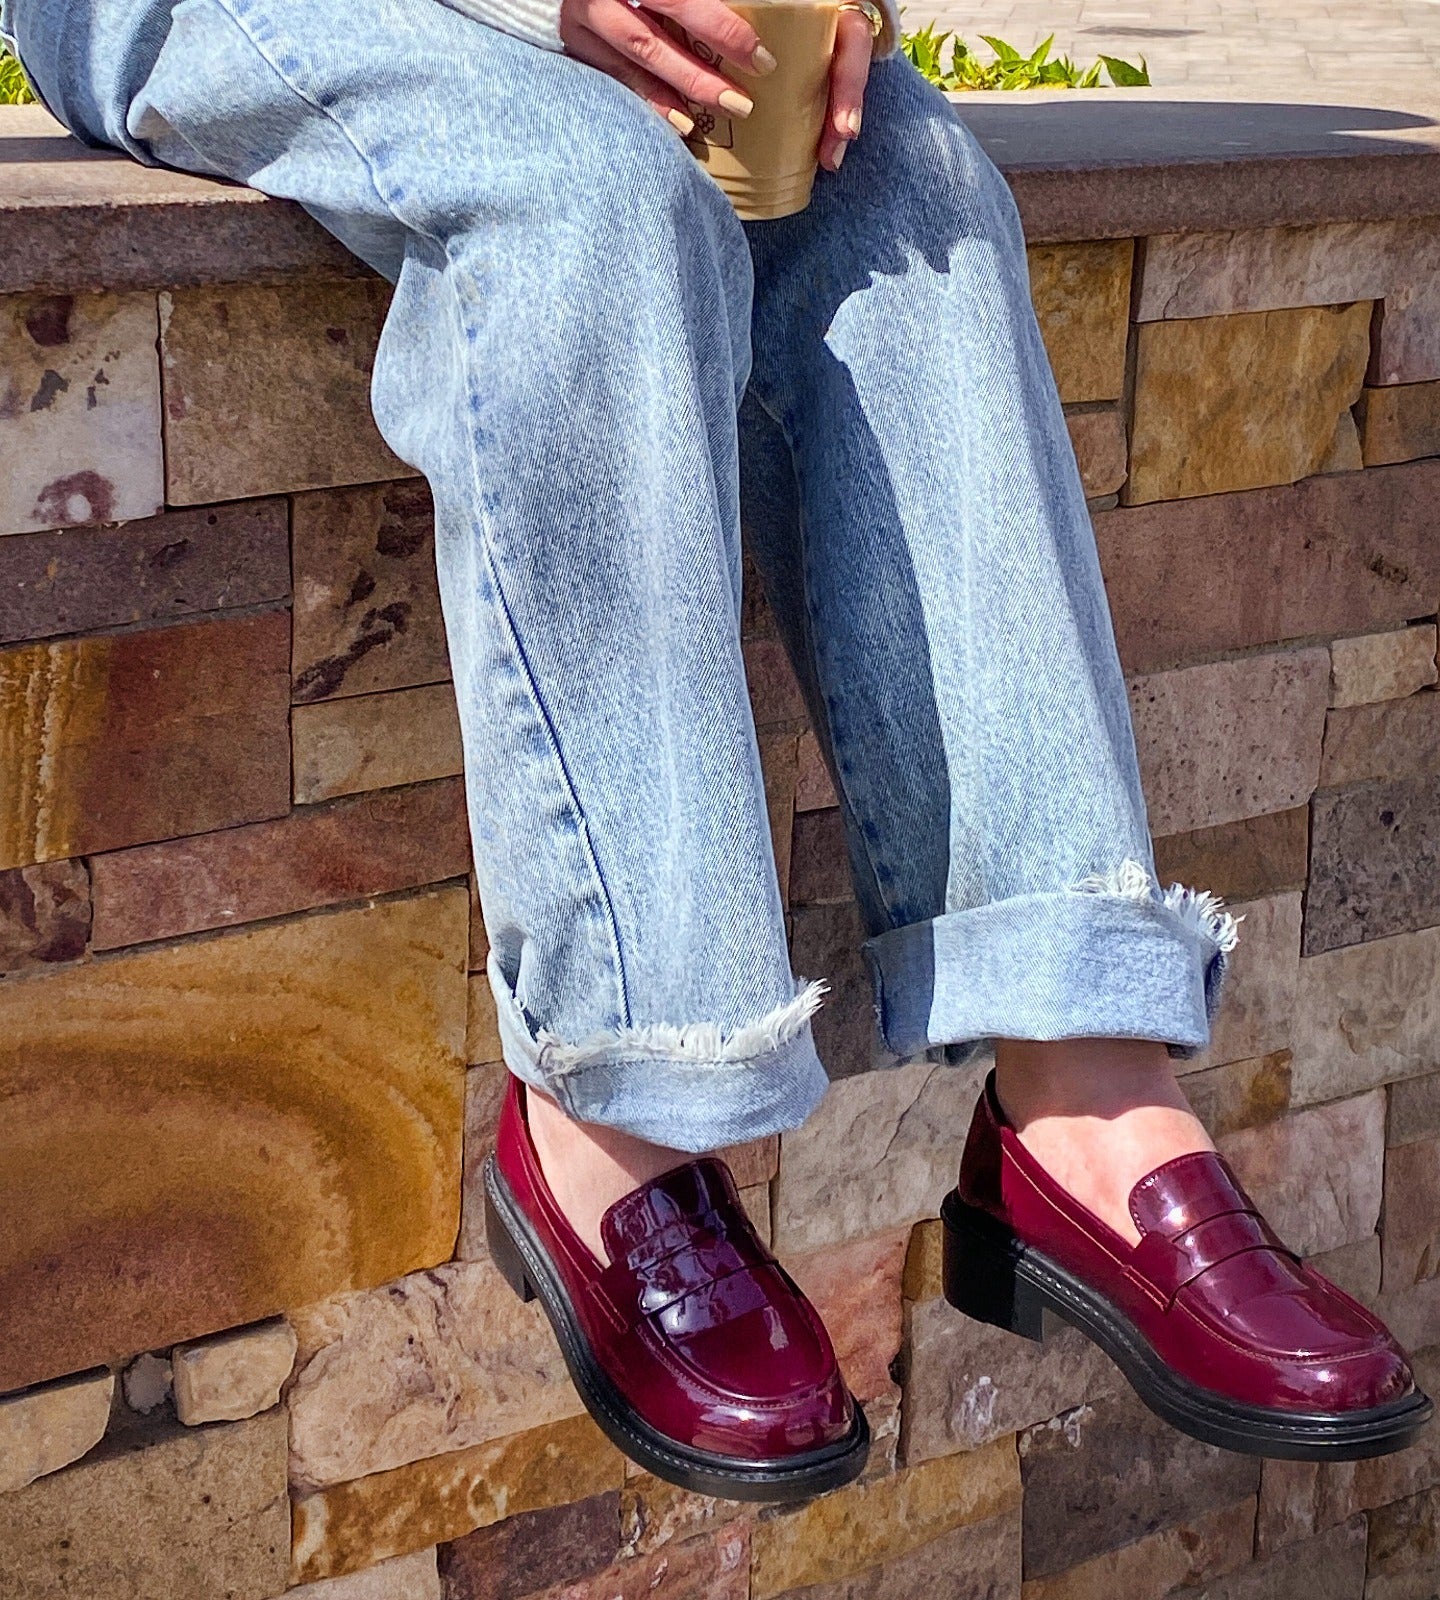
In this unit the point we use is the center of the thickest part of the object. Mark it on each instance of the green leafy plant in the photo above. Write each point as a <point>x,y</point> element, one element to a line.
<point>1010,69</point>
<point>14,90</point>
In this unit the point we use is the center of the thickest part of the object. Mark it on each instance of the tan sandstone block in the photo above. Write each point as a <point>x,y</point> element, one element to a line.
<point>367,606</point>
<point>44,1429</point>
<point>167,1513</point>
<point>859,1527</point>
<point>879,1153</point>
<point>1410,1240</point>
<point>1317,1174</point>
<point>813,790</point>
<point>1082,301</point>
<point>431,1363</point>
<point>980,1561</point>
<point>375,741</point>
<point>79,410</point>
<point>1097,435</point>
<point>482,1030</point>
<point>354,1525</point>
<point>1366,1014</point>
<point>1259,1000</point>
<point>196,1136</point>
<point>267,388</point>
<point>1382,666</point>
<point>233,1375</point>
<point>1240,1094</point>
<point>1399,423</point>
<point>855,1286</point>
<point>1272,269</point>
<point>1230,739</point>
<point>1241,401</point>
<point>1404,1549</point>
<point>1157,1564</point>
<point>125,738</point>
<point>412,1577</point>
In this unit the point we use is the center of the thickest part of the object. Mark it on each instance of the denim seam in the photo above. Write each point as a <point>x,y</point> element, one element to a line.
<point>390,205</point>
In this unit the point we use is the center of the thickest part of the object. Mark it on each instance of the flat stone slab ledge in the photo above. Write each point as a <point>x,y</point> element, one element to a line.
<point>1084,165</point>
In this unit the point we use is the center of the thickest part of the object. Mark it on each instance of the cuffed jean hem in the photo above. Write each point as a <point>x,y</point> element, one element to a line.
<point>698,1100</point>
<point>1073,964</point>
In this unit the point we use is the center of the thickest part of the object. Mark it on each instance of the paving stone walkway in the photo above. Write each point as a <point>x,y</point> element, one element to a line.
<point>1311,49</point>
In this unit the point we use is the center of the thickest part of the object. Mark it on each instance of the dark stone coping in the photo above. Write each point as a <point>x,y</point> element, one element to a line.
<point>1091,164</point>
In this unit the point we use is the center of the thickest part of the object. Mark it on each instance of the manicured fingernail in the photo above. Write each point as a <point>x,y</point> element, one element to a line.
<point>840,150</point>
<point>737,104</point>
<point>762,61</point>
<point>682,124</point>
<point>852,122</point>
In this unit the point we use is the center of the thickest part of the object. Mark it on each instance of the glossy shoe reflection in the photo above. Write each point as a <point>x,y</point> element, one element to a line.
<point>693,1349</point>
<point>1220,1329</point>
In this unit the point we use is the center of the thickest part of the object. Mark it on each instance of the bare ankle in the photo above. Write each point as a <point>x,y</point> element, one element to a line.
<point>1083,1077</point>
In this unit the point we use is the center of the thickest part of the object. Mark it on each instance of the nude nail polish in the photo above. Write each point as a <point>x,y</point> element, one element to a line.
<point>852,122</point>
<point>762,62</point>
<point>737,104</point>
<point>682,124</point>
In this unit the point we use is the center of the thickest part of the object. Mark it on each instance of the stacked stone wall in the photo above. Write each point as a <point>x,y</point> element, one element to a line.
<point>250,1340</point>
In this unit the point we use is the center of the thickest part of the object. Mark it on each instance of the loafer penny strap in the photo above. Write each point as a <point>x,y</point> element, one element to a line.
<point>707,1251</point>
<point>1169,1264</point>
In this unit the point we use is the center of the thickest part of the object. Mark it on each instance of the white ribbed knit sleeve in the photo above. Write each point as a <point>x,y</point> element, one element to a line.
<point>538,21</point>
<point>535,21</point>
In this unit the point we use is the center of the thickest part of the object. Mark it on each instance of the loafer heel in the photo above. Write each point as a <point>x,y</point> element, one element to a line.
<point>504,1253</point>
<point>980,1278</point>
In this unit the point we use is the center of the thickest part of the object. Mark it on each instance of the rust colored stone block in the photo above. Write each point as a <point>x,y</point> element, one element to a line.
<point>198,1136</point>
<point>855,1287</point>
<point>819,861</point>
<point>367,607</point>
<point>1238,402</point>
<point>169,1513</point>
<point>1111,1472</point>
<point>1097,437</point>
<point>1227,571</point>
<point>44,915</point>
<point>354,1525</point>
<point>375,741</point>
<point>1230,739</point>
<point>79,410</point>
<point>1082,302</point>
<point>428,1364</point>
<point>511,1559</point>
<point>160,569</point>
<point>125,738</point>
<point>716,1567</point>
<point>267,388</point>
<point>780,765</point>
<point>855,1529</point>
<point>1246,860</point>
<point>371,845</point>
<point>1399,423</point>
<point>482,1031</point>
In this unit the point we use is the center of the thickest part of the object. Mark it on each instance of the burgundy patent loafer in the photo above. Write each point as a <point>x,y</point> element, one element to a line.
<point>1220,1329</point>
<point>693,1349</point>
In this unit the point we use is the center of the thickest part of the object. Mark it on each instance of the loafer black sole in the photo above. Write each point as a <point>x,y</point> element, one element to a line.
<point>525,1265</point>
<point>994,1278</point>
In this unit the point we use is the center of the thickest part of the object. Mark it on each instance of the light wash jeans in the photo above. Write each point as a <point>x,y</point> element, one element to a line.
<point>602,373</point>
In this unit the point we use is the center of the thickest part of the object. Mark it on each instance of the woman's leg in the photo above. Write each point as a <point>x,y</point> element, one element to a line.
<point>562,359</point>
<point>941,591</point>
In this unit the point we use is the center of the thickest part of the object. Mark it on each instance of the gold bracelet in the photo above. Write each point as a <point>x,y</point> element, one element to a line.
<point>870,11</point>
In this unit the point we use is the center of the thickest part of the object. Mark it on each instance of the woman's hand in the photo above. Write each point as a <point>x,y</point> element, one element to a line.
<point>849,73</point>
<point>632,45</point>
